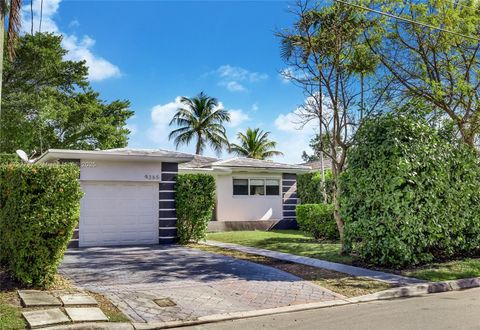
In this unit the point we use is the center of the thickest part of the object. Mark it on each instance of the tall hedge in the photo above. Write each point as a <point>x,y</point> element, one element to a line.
<point>39,209</point>
<point>410,196</point>
<point>310,190</point>
<point>9,159</point>
<point>195,200</point>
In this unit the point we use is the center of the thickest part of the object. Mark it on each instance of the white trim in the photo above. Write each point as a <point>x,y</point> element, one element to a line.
<point>167,219</point>
<point>166,209</point>
<point>74,239</point>
<point>166,200</point>
<point>167,181</point>
<point>166,191</point>
<point>289,180</point>
<point>168,172</point>
<point>167,227</point>
<point>166,237</point>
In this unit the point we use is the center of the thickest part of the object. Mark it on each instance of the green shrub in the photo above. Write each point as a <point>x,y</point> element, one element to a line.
<point>195,200</point>
<point>39,209</point>
<point>9,159</point>
<point>310,190</point>
<point>317,220</point>
<point>408,195</point>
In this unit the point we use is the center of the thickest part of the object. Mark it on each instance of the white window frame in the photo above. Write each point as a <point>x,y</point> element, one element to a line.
<point>264,186</point>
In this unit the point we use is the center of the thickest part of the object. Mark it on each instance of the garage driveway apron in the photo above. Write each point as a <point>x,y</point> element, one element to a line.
<point>198,282</point>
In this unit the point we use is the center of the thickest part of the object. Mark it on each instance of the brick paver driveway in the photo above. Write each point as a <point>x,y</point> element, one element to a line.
<point>199,283</point>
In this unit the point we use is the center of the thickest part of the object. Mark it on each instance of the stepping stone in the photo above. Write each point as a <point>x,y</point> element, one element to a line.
<point>35,298</point>
<point>86,314</point>
<point>41,318</point>
<point>78,299</point>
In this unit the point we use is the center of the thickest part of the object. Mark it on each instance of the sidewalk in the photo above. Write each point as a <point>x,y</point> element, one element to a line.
<point>346,269</point>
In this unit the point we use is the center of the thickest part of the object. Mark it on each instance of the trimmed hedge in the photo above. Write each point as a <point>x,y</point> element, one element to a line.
<point>317,221</point>
<point>195,200</point>
<point>309,187</point>
<point>9,159</point>
<point>39,209</point>
<point>409,195</point>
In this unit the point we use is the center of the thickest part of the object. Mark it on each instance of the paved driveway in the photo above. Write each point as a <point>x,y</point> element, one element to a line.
<point>198,283</point>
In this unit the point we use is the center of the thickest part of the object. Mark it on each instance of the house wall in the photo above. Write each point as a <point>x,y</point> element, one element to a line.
<point>133,171</point>
<point>246,208</point>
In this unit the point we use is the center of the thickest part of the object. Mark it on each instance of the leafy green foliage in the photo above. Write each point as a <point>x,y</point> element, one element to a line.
<point>9,159</point>
<point>409,195</point>
<point>195,200</point>
<point>47,102</point>
<point>254,143</point>
<point>317,220</point>
<point>310,188</point>
<point>200,119</point>
<point>39,209</point>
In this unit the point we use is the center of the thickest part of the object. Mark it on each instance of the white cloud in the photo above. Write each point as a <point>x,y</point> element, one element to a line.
<point>161,116</point>
<point>235,78</point>
<point>234,86</point>
<point>255,107</point>
<point>79,48</point>
<point>237,117</point>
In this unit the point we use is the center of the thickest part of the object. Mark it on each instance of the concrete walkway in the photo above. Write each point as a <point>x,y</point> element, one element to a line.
<point>346,269</point>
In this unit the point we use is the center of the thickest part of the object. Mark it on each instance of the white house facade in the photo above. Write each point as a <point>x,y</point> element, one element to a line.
<point>129,194</point>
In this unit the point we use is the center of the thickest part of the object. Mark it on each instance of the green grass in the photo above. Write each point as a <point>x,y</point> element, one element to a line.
<point>451,270</point>
<point>288,241</point>
<point>10,315</point>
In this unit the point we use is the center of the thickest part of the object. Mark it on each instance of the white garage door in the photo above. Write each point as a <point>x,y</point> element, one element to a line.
<point>118,213</point>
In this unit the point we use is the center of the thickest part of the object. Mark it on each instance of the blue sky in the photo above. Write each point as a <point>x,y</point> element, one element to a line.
<point>152,52</point>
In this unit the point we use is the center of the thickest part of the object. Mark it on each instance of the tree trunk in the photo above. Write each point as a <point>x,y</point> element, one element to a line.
<point>199,143</point>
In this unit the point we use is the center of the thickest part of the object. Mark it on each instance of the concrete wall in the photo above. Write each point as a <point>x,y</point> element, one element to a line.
<point>246,208</point>
<point>120,171</point>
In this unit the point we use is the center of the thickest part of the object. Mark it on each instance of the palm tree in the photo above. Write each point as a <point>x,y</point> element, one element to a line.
<point>255,144</point>
<point>202,119</point>
<point>13,8</point>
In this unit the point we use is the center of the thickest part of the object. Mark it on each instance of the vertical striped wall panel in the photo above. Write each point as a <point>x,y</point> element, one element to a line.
<point>289,196</point>
<point>167,216</point>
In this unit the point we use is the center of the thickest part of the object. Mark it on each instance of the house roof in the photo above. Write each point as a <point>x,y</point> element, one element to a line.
<point>210,163</point>
<point>116,154</point>
<point>199,161</point>
<point>315,165</point>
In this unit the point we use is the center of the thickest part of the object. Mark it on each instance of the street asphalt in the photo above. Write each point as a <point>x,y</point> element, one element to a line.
<point>450,310</point>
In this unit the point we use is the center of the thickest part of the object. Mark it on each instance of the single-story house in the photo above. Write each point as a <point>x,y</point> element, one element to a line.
<point>129,193</point>
<point>251,193</point>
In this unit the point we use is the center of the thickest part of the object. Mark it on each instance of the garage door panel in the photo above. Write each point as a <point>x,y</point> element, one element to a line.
<point>119,213</point>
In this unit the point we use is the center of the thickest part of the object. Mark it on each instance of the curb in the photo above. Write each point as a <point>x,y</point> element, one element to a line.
<point>400,292</point>
<point>92,326</point>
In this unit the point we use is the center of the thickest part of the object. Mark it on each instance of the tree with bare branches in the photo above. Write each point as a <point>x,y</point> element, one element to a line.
<point>437,67</point>
<point>326,59</point>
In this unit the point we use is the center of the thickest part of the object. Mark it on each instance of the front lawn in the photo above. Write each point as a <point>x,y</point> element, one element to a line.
<point>288,241</point>
<point>445,271</point>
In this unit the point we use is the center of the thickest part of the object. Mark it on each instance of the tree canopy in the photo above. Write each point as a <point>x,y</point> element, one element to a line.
<point>49,103</point>
<point>254,143</point>
<point>202,119</point>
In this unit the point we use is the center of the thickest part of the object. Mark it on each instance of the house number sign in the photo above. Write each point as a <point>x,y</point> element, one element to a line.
<point>152,176</point>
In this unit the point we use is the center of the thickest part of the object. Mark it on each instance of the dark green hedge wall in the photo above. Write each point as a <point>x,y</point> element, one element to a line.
<point>195,200</point>
<point>39,209</point>
<point>309,187</point>
<point>410,196</point>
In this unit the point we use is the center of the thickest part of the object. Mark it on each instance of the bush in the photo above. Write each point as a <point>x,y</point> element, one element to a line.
<point>309,187</point>
<point>39,209</point>
<point>317,220</point>
<point>408,195</point>
<point>195,200</point>
<point>9,159</point>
